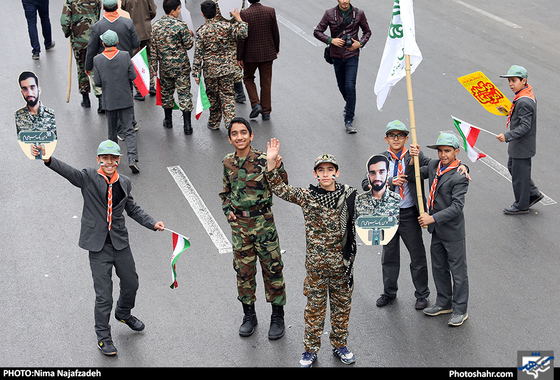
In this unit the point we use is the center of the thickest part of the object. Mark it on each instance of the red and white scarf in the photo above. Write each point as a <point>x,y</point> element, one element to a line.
<point>400,166</point>
<point>110,182</point>
<point>454,165</point>
<point>526,92</point>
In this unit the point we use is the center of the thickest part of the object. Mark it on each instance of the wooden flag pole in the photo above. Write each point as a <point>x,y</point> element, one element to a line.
<point>69,73</point>
<point>413,133</point>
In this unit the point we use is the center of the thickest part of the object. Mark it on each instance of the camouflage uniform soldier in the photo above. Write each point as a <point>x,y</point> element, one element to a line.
<point>328,210</point>
<point>238,78</point>
<point>247,201</point>
<point>34,116</point>
<point>212,53</point>
<point>171,38</point>
<point>76,20</point>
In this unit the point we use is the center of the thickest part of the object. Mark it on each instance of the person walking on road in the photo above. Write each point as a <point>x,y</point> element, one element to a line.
<point>522,141</point>
<point>107,195</point>
<point>31,9</point>
<point>344,22</point>
<point>257,52</point>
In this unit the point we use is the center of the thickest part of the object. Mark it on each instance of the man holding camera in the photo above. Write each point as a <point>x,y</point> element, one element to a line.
<point>345,21</point>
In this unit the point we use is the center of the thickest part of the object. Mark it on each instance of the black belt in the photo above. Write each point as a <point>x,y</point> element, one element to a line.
<point>251,213</point>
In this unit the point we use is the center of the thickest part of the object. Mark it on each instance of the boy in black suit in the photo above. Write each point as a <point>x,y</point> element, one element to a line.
<point>445,221</point>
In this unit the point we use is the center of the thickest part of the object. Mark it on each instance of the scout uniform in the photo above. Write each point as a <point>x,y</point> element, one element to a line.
<point>330,252</point>
<point>448,189</point>
<point>78,16</point>
<point>213,54</point>
<point>246,192</point>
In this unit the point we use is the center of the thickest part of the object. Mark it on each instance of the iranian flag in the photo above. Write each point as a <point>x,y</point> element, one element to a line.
<point>469,133</point>
<point>400,41</point>
<point>180,244</point>
<point>142,81</point>
<point>158,95</point>
<point>202,102</point>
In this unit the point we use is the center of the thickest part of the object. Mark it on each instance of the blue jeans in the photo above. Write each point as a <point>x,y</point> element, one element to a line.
<point>31,8</point>
<point>346,71</point>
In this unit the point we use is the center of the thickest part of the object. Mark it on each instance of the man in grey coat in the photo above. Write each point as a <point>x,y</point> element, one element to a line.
<point>114,73</point>
<point>107,195</point>
<point>522,141</point>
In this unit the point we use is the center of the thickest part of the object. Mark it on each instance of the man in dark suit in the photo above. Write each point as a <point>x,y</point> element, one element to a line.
<point>103,233</point>
<point>445,221</point>
<point>258,51</point>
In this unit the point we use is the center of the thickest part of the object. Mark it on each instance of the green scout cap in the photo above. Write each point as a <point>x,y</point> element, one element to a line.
<point>397,126</point>
<point>446,139</point>
<point>325,158</point>
<point>515,71</point>
<point>110,38</point>
<point>110,3</point>
<point>109,147</point>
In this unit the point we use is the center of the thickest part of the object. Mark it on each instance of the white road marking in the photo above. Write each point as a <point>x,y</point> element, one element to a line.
<point>502,170</point>
<point>199,207</point>
<point>296,29</point>
<point>487,14</point>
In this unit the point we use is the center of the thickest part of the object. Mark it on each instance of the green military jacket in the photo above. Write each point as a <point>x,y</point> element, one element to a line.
<point>78,16</point>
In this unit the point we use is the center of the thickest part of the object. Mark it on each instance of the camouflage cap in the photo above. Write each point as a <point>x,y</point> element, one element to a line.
<point>109,147</point>
<point>325,158</point>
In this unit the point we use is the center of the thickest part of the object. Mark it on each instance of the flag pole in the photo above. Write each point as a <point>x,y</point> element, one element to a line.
<point>413,134</point>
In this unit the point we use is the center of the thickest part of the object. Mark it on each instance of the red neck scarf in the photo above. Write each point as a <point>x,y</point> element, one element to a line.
<point>111,16</point>
<point>400,166</point>
<point>110,52</point>
<point>453,165</point>
<point>526,92</point>
<point>110,183</point>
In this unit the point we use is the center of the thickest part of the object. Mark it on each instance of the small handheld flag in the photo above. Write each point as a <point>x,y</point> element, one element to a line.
<point>202,102</point>
<point>142,81</point>
<point>469,133</point>
<point>180,244</point>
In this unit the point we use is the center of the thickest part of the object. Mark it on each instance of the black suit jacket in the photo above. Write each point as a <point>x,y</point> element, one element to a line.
<point>94,226</point>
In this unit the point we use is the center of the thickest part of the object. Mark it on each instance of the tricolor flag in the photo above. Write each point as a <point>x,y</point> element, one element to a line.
<point>400,41</point>
<point>158,95</point>
<point>180,244</point>
<point>142,81</point>
<point>202,102</point>
<point>470,134</point>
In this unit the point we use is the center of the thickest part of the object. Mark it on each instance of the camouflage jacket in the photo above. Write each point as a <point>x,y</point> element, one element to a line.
<point>77,18</point>
<point>213,50</point>
<point>389,204</point>
<point>245,187</point>
<point>325,227</point>
<point>171,38</point>
<point>43,121</point>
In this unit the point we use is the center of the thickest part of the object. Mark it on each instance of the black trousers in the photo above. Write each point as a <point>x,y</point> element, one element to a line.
<point>102,264</point>
<point>411,234</point>
<point>523,186</point>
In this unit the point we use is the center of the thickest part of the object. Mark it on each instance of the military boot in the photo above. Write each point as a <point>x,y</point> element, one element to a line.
<point>276,330</point>
<point>85,100</point>
<point>187,123</point>
<point>100,108</point>
<point>249,321</point>
<point>168,120</point>
<point>239,93</point>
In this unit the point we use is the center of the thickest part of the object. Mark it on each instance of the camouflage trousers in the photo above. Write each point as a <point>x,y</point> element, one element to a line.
<point>252,238</point>
<point>181,83</point>
<point>83,79</point>
<point>317,287</point>
<point>221,96</point>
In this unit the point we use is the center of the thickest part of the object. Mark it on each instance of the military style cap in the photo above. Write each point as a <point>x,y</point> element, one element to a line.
<point>109,147</point>
<point>396,126</point>
<point>515,71</point>
<point>325,158</point>
<point>110,3</point>
<point>110,38</point>
<point>446,139</point>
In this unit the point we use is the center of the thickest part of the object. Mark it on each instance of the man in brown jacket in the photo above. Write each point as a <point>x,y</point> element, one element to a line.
<point>142,12</point>
<point>258,51</point>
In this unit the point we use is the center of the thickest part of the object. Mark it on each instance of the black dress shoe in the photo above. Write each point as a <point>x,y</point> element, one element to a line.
<point>512,210</point>
<point>421,304</point>
<point>534,201</point>
<point>256,111</point>
<point>132,322</point>
<point>384,300</point>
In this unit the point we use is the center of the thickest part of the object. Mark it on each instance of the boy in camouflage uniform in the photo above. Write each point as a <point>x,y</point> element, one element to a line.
<point>76,20</point>
<point>213,53</point>
<point>246,202</point>
<point>171,38</point>
<point>328,210</point>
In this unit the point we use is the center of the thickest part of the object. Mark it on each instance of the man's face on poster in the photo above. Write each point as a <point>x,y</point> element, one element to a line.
<point>30,91</point>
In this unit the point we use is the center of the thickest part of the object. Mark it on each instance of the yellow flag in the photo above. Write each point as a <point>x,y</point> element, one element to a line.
<point>486,93</point>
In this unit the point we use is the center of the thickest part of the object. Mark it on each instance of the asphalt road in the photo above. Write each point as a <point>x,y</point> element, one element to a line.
<point>46,292</point>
